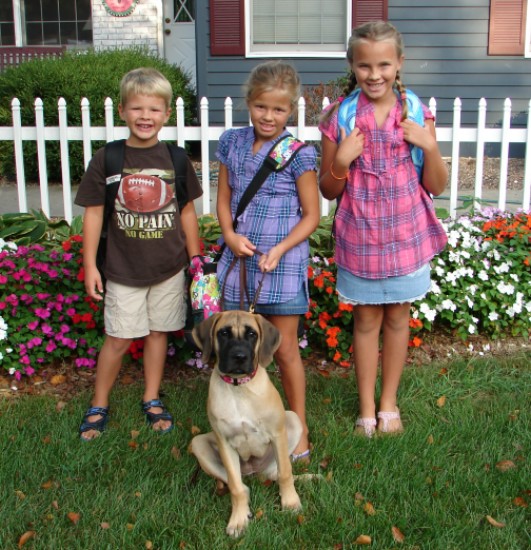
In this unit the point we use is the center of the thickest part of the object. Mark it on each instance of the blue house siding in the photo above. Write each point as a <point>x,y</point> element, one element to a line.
<point>446,57</point>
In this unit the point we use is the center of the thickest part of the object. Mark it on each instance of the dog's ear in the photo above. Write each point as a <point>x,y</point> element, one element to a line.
<point>270,340</point>
<point>203,335</point>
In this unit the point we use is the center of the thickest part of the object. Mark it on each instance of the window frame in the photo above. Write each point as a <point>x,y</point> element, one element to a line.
<point>252,51</point>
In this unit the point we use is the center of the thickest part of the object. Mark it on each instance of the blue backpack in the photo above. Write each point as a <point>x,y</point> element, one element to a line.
<point>346,119</point>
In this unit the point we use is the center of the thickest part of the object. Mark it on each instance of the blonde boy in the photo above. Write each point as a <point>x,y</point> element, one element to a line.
<point>149,243</point>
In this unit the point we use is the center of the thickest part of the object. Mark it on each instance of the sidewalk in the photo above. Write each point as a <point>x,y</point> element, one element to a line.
<point>9,199</point>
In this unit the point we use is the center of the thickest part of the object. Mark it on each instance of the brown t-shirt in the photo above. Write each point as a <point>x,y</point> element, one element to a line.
<point>146,242</point>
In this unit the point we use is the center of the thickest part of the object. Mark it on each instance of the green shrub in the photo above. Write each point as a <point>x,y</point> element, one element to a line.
<point>88,74</point>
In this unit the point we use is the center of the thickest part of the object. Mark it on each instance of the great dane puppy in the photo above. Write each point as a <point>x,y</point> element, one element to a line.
<point>252,433</point>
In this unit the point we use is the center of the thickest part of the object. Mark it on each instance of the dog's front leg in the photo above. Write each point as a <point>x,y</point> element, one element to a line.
<point>239,492</point>
<point>289,498</point>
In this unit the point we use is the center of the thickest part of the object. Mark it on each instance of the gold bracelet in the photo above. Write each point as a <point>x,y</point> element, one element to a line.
<point>334,176</point>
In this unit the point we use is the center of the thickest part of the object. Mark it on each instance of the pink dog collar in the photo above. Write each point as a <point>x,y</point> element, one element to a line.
<point>238,381</point>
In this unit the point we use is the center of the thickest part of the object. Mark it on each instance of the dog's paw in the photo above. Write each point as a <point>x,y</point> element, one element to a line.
<point>290,501</point>
<point>238,523</point>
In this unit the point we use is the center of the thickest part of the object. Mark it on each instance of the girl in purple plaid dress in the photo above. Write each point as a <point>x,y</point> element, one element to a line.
<point>272,233</point>
<point>386,229</point>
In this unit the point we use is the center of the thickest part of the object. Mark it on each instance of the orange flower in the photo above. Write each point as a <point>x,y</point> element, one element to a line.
<point>345,307</point>
<point>415,323</point>
<point>329,290</point>
<point>416,342</point>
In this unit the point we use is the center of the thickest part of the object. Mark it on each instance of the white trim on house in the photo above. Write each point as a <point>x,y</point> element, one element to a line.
<point>273,51</point>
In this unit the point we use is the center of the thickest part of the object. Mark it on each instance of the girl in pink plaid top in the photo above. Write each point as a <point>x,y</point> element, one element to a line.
<point>386,229</point>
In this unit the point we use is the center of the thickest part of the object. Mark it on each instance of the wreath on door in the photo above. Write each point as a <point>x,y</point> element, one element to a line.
<point>120,8</point>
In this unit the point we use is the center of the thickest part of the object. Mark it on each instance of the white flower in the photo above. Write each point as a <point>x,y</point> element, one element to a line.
<point>506,288</point>
<point>493,316</point>
<point>502,268</point>
<point>453,238</point>
<point>439,271</point>
<point>435,288</point>
<point>448,304</point>
<point>11,371</point>
<point>1,356</point>
<point>430,314</point>
<point>483,276</point>
<point>471,329</point>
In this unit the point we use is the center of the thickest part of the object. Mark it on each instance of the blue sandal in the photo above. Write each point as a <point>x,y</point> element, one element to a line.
<point>98,425</point>
<point>153,418</point>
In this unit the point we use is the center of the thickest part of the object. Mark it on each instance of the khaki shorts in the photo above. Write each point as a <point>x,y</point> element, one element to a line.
<point>133,312</point>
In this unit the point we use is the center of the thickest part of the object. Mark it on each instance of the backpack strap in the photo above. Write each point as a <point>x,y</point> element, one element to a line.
<point>179,160</point>
<point>278,158</point>
<point>346,119</point>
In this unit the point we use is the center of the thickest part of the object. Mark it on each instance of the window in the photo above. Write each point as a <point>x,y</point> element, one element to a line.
<point>7,24</point>
<point>56,22</point>
<point>184,11</point>
<point>291,28</point>
<point>298,26</point>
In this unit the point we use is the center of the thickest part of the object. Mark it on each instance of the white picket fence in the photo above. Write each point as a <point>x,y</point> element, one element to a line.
<point>456,134</point>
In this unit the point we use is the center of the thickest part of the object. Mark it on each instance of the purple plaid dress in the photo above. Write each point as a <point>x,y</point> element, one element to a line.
<point>270,216</point>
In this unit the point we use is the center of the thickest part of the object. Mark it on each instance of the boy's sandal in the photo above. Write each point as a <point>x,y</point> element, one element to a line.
<point>366,426</point>
<point>303,457</point>
<point>153,418</point>
<point>97,425</point>
<point>386,417</point>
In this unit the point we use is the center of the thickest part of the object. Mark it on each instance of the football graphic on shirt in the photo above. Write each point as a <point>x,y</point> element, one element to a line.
<point>144,193</point>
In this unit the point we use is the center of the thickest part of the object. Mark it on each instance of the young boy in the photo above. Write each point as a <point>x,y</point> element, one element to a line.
<point>148,246</point>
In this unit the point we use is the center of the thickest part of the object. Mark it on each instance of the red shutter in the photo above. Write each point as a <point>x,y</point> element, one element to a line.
<point>507,27</point>
<point>368,10</point>
<point>227,33</point>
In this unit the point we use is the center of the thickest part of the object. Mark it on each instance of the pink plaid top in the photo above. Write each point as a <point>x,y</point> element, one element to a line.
<point>385,223</point>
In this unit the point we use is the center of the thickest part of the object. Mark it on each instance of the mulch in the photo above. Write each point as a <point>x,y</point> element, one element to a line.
<point>65,381</point>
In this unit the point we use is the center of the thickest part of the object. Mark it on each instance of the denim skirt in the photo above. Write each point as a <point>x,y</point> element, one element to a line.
<point>295,306</point>
<point>391,290</point>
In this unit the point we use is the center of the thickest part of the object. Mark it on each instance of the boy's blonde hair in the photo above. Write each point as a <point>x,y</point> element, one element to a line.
<point>270,76</point>
<point>145,81</point>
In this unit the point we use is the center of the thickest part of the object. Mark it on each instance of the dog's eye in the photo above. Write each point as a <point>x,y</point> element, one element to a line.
<point>225,332</point>
<point>250,333</point>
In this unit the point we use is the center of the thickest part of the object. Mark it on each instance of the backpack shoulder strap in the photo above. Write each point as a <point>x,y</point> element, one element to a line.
<point>346,114</point>
<point>277,159</point>
<point>179,159</point>
<point>114,163</point>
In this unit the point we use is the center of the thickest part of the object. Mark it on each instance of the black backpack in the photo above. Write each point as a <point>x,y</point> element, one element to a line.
<point>114,162</point>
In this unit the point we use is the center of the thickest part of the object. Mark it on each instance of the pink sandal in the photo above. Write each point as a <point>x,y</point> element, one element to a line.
<point>385,417</point>
<point>367,425</point>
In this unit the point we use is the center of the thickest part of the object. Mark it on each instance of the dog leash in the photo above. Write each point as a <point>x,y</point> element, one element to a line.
<point>244,292</point>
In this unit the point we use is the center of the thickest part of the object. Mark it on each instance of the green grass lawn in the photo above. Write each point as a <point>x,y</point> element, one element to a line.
<point>463,459</point>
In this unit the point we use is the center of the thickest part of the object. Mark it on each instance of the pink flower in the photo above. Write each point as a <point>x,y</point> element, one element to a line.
<point>51,346</point>
<point>47,330</point>
<point>29,371</point>
<point>3,279</point>
<point>33,325</point>
<point>42,313</point>
<point>18,375</point>
<point>25,360</point>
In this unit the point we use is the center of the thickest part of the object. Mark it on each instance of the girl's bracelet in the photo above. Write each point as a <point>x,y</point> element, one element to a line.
<point>337,178</point>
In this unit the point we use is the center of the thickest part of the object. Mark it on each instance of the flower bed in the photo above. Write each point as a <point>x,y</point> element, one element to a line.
<point>481,285</point>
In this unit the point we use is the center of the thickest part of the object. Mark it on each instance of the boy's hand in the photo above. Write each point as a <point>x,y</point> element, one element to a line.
<point>93,283</point>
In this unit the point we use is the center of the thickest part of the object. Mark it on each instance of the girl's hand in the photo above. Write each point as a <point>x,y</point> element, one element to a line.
<point>350,148</point>
<point>269,261</point>
<point>240,245</point>
<point>417,135</point>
